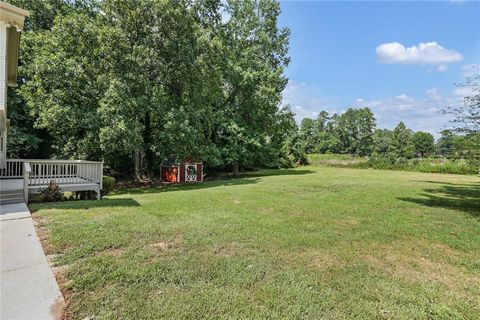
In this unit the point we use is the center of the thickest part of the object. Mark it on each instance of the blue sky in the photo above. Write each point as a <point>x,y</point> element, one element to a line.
<point>402,59</point>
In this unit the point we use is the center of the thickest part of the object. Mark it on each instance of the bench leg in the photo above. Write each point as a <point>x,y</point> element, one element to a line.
<point>98,193</point>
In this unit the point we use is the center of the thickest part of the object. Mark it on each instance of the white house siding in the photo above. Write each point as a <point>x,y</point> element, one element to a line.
<point>3,87</point>
<point>3,65</point>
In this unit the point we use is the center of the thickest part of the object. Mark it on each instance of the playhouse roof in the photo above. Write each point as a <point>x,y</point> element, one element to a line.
<point>175,160</point>
<point>172,160</point>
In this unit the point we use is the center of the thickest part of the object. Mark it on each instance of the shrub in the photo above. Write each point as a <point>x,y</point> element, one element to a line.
<point>336,160</point>
<point>391,161</point>
<point>86,195</point>
<point>52,193</point>
<point>108,184</point>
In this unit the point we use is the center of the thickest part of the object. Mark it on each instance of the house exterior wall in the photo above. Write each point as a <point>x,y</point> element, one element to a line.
<point>11,24</point>
<point>3,89</point>
<point>3,65</point>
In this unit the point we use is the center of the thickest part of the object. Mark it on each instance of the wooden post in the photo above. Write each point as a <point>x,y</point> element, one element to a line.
<point>26,178</point>
<point>101,176</point>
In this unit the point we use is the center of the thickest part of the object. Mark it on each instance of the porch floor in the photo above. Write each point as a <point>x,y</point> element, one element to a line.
<point>77,184</point>
<point>11,184</point>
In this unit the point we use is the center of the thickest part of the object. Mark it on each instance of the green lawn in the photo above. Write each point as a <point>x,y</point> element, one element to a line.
<point>305,243</point>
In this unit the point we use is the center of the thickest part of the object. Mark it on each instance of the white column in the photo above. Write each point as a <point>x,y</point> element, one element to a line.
<point>3,86</point>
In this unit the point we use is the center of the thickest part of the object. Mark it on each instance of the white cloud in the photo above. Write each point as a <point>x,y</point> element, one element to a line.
<point>470,69</point>
<point>441,68</point>
<point>433,94</point>
<point>424,53</point>
<point>305,100</point>
<point>417,112</point>
<point>463,91</point>
<point>301,113</point>
<point>403,97</point>
<point>422,113</point>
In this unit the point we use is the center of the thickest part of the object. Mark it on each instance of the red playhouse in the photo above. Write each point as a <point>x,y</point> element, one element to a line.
<point>180,171</point>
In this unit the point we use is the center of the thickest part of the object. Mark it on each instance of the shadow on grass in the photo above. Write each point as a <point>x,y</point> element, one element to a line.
<point>186,187</point>
<point>463,197</point>
<point>245,179</point>
<point>277,172</point>
<point>86,204</point>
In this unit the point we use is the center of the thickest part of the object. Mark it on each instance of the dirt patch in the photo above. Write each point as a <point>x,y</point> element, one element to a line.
<point>326,262</point>
<point>58,309</point>
<point>166,245</point>
<point>314,259</point>
<point>267,210</point>
<point>162,245</point>
<point>227,250</point>
<point>44,235</point>
<point>123,185</point>
<point>165,249</point>
<point>113,252</point>
<point>446,250</point>
<point>348,222</point>
<point>421,263</point>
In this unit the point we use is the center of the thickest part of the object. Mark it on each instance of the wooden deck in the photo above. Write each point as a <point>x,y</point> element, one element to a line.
<point>19,178</point>
<point>11,184</point>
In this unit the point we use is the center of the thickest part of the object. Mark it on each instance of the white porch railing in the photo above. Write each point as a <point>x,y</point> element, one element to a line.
<point>70,175</point>
<point>11,168</point>
<point>64,172</point>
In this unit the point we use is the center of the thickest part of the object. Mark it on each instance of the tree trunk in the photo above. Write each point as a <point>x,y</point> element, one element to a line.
<point>236,169</point>
<point>147,142</point>
<point>138,165</point>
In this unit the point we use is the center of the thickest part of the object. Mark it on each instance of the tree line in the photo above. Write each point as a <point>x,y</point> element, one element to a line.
<point>355,132</point>
<point>131,82</point>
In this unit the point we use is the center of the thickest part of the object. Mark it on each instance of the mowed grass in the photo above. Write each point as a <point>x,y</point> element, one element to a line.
<point>305,243</point>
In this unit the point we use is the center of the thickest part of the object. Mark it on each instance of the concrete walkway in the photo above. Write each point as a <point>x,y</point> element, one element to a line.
<point>28,289</point>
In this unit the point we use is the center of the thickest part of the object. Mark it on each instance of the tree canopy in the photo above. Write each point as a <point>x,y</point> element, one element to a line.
<point>131,82</point>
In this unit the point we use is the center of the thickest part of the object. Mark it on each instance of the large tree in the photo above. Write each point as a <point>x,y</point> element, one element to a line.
<point>382,141</point>
<point>466,116</point>
<point>254,53</point>
<point>163,64</point>
<point>402,142</point>
<point>356,127</point>
<point>25,140</point>
<point>466,121</point>
<point>424,143</point>
<point>308,134</point>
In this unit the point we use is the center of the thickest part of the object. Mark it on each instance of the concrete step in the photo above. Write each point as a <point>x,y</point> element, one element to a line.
<point>7,192</point>
<point>11,200</point>
<point>11,196</point>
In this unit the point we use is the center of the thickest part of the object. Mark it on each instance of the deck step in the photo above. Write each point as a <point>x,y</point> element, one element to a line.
<point>8,192</point>
<point>11,196</point>
<point>12,201</point>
